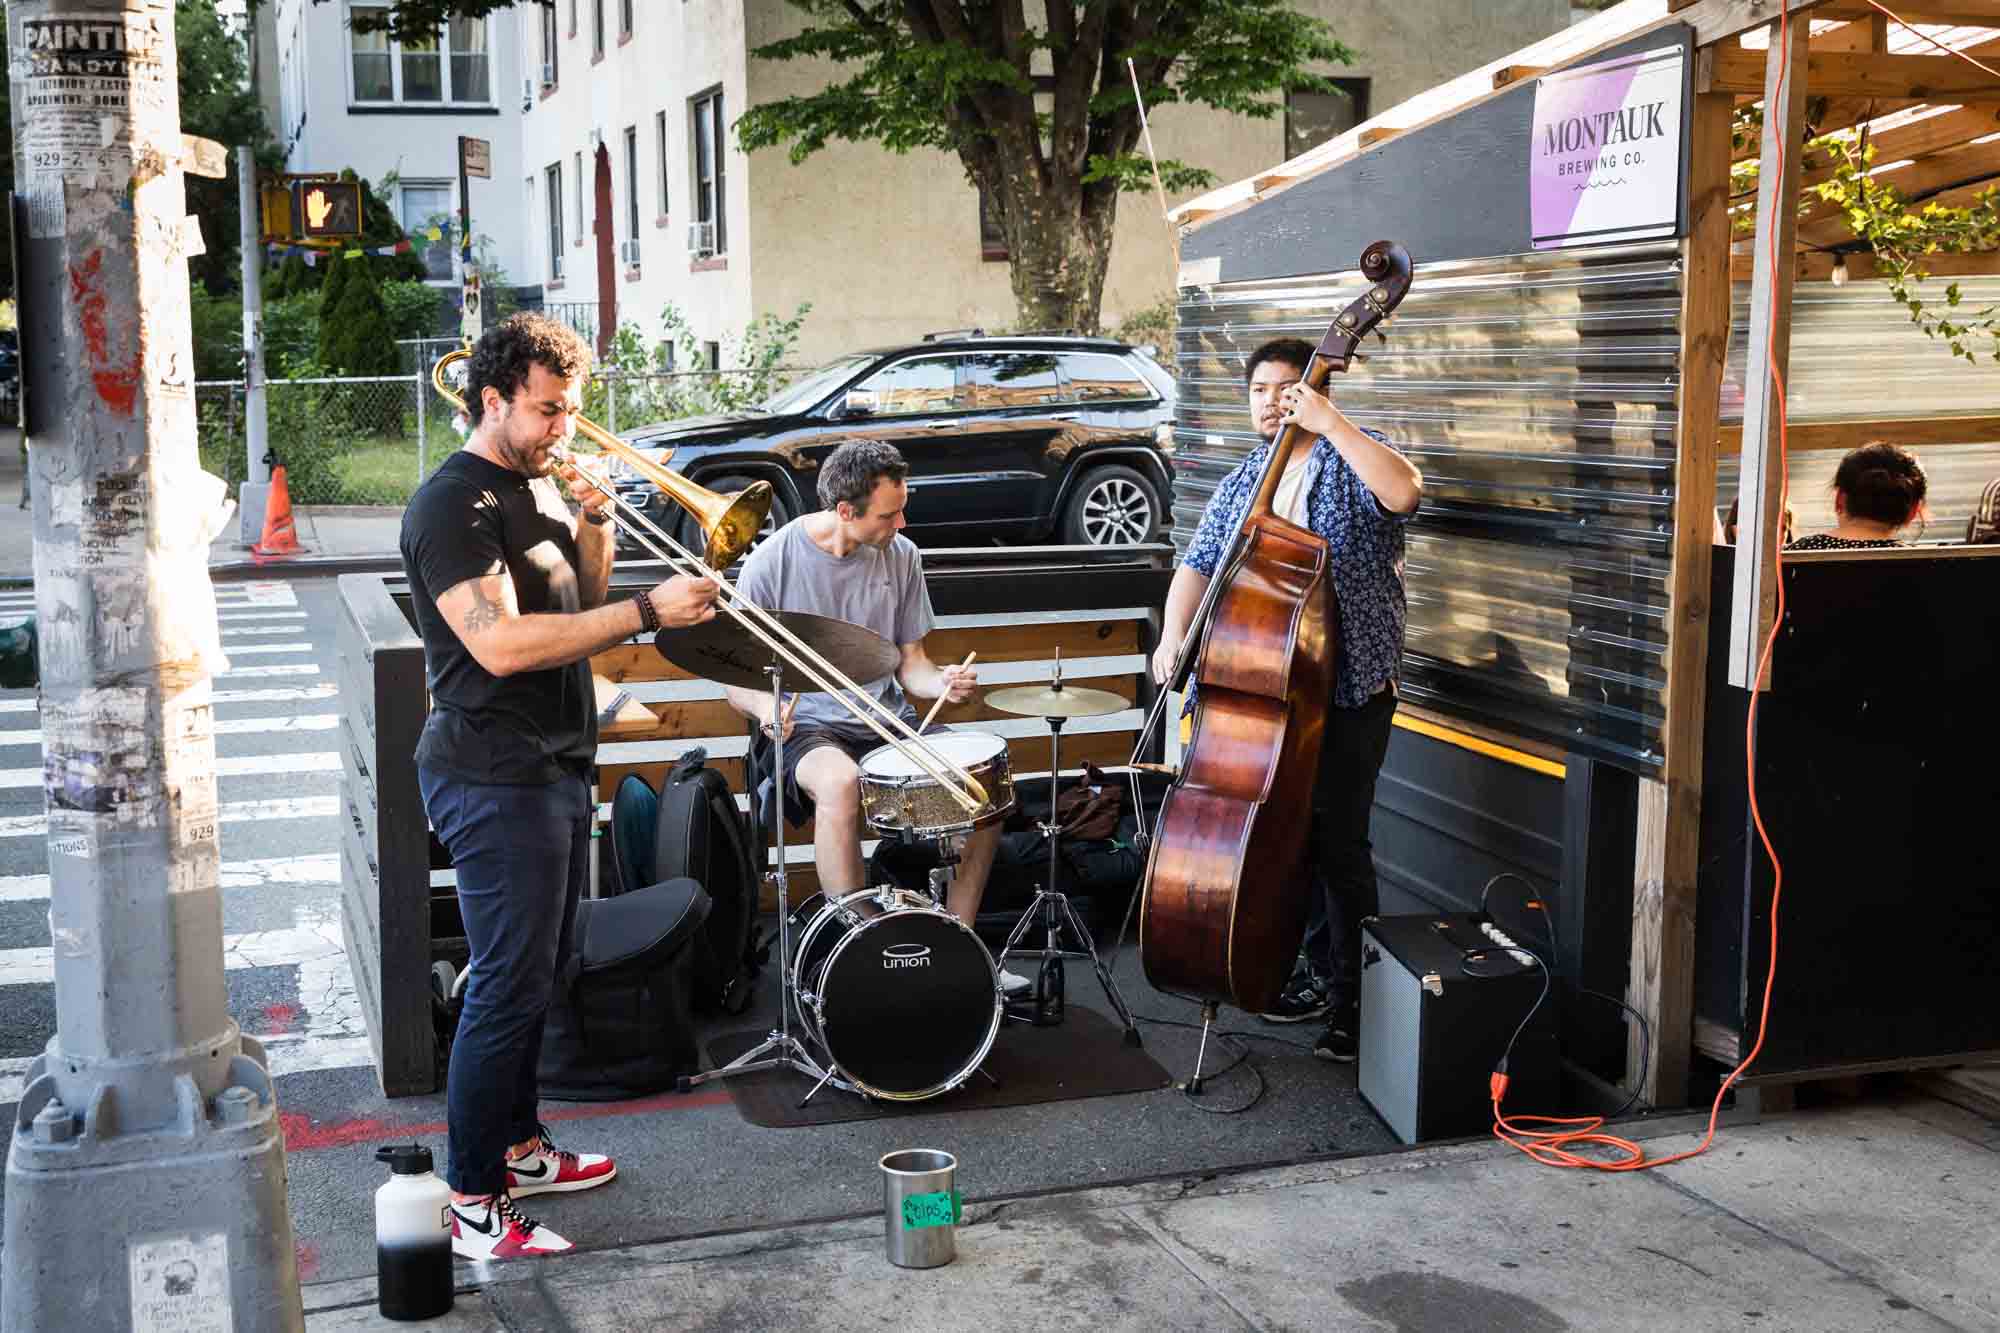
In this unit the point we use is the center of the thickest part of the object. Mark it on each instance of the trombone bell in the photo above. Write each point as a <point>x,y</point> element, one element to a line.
<point>729,523</point>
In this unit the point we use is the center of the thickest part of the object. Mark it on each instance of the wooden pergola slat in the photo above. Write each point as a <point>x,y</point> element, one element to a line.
<point>1938,78</point>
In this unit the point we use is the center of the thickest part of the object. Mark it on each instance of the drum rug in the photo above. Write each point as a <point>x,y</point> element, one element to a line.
<point>1084,1056</point>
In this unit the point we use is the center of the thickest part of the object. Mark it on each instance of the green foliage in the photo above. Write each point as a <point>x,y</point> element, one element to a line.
<point>416,20</point>
<point>339,271</point>
<point>217,325</point>
<point>354,333</point>
<point>1902,234</point>
<point>412,308</point>
<point>216,103</point>
<point>959,78</point>
<point>640,373</point>
<point>293,276</point>
<point>1154,327</point>
<point>291,335</point>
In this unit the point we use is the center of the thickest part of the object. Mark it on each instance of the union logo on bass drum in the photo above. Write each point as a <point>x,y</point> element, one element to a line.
<point>907,955</point>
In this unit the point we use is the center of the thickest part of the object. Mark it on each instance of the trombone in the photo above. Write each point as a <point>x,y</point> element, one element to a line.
<point>730,523</point>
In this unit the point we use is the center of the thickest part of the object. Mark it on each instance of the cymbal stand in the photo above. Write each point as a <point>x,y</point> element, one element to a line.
<point>779,1049</point>
<point>1053,906</point>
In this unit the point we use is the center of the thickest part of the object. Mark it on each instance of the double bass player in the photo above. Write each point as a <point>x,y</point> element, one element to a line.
<point>1356,491</point>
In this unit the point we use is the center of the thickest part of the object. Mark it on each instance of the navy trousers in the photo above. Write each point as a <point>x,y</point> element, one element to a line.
<point>521,854</point>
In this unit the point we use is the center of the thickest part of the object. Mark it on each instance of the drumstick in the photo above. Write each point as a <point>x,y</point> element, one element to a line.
<point>939,701</point>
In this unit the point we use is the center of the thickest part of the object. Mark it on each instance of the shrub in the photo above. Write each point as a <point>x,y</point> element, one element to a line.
<point>412,307</point>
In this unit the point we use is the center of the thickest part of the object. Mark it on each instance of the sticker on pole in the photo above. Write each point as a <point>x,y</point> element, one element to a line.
<point>931,1210</point>
<point>90,85</point>
<point>1605,156</point>
<point>180,1284</point>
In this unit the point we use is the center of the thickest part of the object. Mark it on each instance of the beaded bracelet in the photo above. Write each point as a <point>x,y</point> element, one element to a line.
<point>649,618</point>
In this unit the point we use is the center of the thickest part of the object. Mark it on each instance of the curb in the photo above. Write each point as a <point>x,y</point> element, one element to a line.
<point>242,571</point>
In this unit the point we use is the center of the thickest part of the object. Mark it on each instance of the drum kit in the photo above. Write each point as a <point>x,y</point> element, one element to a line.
<point>901,998</point>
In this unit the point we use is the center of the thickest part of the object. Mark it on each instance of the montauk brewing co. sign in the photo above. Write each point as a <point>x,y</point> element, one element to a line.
<point>1605,161</point>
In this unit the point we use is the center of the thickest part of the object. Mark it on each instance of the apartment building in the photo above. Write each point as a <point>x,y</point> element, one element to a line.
<point>639,197</point>
<point>394,111</point>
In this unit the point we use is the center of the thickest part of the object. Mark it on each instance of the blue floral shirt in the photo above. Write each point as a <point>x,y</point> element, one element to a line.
<point>1366,555</point>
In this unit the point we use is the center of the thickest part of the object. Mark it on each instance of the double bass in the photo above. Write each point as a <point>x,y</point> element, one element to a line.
<point>1224,904</point>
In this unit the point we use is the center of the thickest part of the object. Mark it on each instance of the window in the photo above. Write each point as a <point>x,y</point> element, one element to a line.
<point>992,236</point>
<point>709,150</point>
<point>711,355</point>
<point>549,47</point>
<point>922,384</point>
<point>632,183</point>
<point>624,18</point>
<point>1313,118</point>
<point>1101,377</point>
<point>660,122</point>
<point>1015,379</point>
<point>454,65</point>
<point>553,177</point>
<point>597,29</point>
<point>425,205</point>
<point>576,227</point>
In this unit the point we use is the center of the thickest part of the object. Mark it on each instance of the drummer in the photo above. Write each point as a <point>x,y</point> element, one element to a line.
<point>850,561</point>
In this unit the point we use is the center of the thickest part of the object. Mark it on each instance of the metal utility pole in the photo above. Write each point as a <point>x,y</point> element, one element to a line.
<point>145,1180</point>
<point>255,492</point>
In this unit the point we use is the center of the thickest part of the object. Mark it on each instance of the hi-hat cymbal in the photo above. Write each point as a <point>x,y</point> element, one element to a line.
<point>725,651</point>
<point>1056,701</point>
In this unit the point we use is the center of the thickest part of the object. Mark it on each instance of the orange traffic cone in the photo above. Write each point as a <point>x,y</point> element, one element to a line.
<point>280,537</point>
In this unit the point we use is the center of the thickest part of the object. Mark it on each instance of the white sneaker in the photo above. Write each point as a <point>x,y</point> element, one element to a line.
<point>549,1170</point>
<point>495,1229</point>
<point>1013,983</point>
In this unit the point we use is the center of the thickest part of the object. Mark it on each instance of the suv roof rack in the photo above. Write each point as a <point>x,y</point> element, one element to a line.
<point>944,334</point>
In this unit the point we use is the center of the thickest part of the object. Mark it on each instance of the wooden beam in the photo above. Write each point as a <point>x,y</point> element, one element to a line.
<point>1826,436</point>
<point>1507,75</point>
<point>1957,14</point>
<point>1375,134</point>
<point>1934,174</point>
<point>1719,20</point>
<point>1668,851</point>
<point>1817,266</point>
<point>1770,341</point>
<point>1835,231</point>
<point>1938,78</point>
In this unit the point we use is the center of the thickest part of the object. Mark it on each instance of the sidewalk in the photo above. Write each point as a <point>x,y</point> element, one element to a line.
<point>335,538</point>
<point>1869,1216</point>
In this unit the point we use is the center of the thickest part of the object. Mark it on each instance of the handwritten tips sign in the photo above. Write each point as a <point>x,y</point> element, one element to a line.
<point>941,1209</point>
<point>1604,163</point>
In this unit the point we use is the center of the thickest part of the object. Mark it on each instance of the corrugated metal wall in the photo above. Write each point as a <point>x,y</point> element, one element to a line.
<point>1537,394</point>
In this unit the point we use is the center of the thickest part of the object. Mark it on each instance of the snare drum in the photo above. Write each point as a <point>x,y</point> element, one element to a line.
<point>902,997</point>
<point>898,797</point>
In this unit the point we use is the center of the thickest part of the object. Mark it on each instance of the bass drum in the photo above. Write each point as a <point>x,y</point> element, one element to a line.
<point>902,997</point>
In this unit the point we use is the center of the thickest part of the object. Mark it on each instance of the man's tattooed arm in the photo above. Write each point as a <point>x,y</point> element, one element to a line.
<point>483,614</point>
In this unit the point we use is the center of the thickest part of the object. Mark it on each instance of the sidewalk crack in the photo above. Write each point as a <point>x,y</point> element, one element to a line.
<point>1201,1281</point>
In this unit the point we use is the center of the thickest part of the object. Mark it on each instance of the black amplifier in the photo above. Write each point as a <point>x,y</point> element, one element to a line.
<point>1440,996</point>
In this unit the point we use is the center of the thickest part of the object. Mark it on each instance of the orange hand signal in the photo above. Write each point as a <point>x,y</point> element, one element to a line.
<point>318,206</point>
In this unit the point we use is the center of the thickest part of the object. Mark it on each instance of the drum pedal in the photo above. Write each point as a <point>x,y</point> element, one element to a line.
<point>1041,1005</point>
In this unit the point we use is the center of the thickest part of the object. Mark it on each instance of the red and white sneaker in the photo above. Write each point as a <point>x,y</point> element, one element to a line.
<point>549,1170</point>
<point>494,1229</point>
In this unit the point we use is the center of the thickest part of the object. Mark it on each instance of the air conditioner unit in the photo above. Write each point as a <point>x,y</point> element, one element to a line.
<point>629,251</point>
<point>549,75</point>
<point>701,238</point>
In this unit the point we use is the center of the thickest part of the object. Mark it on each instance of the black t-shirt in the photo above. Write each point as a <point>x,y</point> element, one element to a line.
<point>474,518</point>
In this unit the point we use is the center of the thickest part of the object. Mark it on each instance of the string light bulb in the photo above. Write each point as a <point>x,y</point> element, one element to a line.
<point>1839,273</point>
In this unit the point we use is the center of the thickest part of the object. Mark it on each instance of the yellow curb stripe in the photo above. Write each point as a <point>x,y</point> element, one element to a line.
<point>1506,755</point>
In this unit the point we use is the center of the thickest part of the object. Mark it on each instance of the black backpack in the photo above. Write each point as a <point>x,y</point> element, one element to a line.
<point>700,834</point>
<point>619,1023</point>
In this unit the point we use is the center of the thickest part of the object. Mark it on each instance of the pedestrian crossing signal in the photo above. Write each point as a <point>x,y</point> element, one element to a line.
<point>329,209</point>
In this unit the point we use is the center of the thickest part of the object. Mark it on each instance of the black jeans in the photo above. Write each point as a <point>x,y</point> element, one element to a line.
<point>521,854</point>
<point>1340,857</point>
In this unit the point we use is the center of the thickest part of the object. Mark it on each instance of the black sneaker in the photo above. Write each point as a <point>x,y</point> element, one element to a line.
<point>1337,1043</point>
<point>1304,997</point>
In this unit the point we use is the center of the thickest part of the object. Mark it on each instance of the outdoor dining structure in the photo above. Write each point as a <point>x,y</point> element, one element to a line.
<point>1626,237</point>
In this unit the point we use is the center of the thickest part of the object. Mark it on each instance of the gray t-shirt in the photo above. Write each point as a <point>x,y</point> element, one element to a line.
<point>881,588</point>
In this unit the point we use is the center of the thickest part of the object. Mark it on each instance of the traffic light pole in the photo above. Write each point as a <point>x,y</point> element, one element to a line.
<point>145,1183</point>
<point>255,492</point>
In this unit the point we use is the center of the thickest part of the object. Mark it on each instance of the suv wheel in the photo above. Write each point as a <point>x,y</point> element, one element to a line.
<point>1111,506</point>
<point>781,512</point>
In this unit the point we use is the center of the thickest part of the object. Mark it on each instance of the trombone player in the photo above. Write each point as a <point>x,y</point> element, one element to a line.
<point>509,589</point>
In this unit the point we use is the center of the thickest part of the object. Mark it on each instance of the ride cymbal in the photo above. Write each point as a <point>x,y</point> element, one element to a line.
<point>725,651</point>
<point>1056,701</point>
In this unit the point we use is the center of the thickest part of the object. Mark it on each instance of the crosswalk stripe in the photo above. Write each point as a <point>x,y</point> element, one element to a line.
<point>252,631</point>
<point>258,948</point>
<point>281,669</point>
<point>226,766</point>
<point>229,812</point>
<point>281,694</point>
<point>317,868</point>
<point>251,649</point>
<point>227,726</point>
<point>233,617</point>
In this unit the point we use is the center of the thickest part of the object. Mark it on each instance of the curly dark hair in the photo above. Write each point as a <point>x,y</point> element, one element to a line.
<point>1882,482</point>
<point>851,472</point>
<point>503,356</point>
<point>1294,352</point>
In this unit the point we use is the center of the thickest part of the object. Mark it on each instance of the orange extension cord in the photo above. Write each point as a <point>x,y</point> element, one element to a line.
<point>1554,1147</point>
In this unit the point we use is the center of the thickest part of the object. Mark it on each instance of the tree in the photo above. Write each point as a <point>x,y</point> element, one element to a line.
<point>956,75</point>
<point>405,20</point>
<point>217,103</point>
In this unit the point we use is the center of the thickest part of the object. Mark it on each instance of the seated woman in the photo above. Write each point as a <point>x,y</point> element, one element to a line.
<point>1878,491</point>
<point>1984,525</point>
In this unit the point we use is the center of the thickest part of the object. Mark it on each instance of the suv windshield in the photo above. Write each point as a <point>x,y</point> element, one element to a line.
<point>813,387</point>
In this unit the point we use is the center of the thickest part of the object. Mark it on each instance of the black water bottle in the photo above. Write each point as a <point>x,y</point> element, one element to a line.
<point>412,1236</point>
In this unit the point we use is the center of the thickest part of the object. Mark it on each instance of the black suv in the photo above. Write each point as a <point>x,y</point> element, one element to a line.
<point>1039,439</point>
